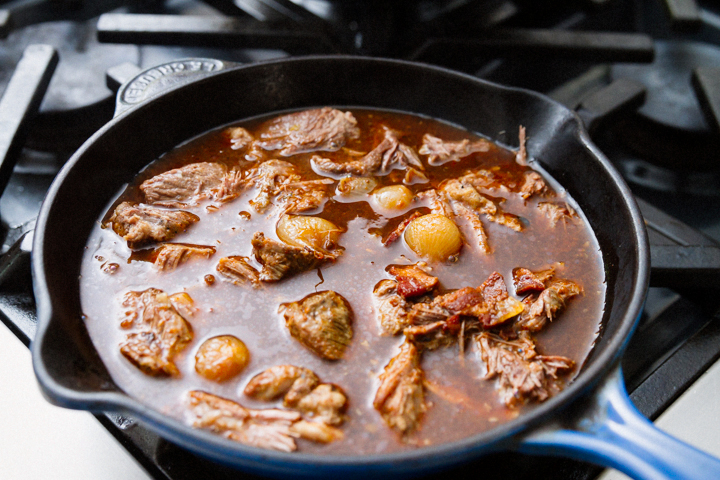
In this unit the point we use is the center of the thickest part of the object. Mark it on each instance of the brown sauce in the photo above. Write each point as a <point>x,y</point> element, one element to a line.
<point>460,402</point>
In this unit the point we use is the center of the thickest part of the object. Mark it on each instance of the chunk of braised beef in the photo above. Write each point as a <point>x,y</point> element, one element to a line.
<point>238,270</point>
<point>556,212</point>
<point>440,151</point>
<point>268,428</point>
<point>546,306</point>
<point>398,231</point>
<point>161,332</point>
<point>268,178</point>
<point>391,308</point>
<point>322,322</point>
<point>143,224</point>
<point>520,379</point>
<point>239,137</point>
<point>310,130</point>
<point>412,281</point>
<point>325,404</point>
<point>282,380</point>
<point>298,197</point>
<point>302,391</point>
<point>184,186</point>
<point>170,255</point>
<point>431,336</point>
<point>316,431</point>
<point>387,155</point>
<point>527,281</point>
<point>400,397</point>
<point>437,202</point>
<point>280,260</point>
<point>533,184</point>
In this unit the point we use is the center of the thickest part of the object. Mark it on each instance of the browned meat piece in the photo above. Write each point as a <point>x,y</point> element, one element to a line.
<point>184,186</point>
<point>161,332</point>
<point>316,431</point>
<point>237,269</point>
<point>391,308</point>
<point>268,178</point>
<point>436,202</point>
<point>521,156</point>
<point>325,404</point>
<point>463,193</point>
<point>303,391</point>
<point>489,303</point>
<point>321,129</point>
<point>400,398</point>
<point>298,197</point>
<point>413,176</point>
<point>270,428</point>
<point>526,281</point>
<point>427,313</point>
<point>239,137</point>
<point>322,322</point>
<point>464,212</point>
<point>170,255</point>
<point>432,336</point>
<point>231,186</point>
<point>397,233</point>
<point>519,379</point>
<point>142,224</point>
<point>281,260</point>
<point>440,151</point>
<point>289,380</point>
<point>533,184</point>
<point>412,281</point>
<point>388,154</point>
<point>546,306</point>
<point>557,212</point>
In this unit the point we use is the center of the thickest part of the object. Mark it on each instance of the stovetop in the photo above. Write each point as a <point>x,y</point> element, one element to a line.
<point>648,73</point>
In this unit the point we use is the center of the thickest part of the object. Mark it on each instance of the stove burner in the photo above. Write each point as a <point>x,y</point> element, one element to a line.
<point>77,102</point>
<point>670,100</point>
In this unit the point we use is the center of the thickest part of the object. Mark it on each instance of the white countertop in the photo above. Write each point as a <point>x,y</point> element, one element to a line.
<point>41,441</point>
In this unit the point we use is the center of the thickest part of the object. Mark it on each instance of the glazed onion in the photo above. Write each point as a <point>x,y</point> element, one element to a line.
<point>221,358</point>
<point>434,236</point>
<point>394,197</point>
<point>305,231</point>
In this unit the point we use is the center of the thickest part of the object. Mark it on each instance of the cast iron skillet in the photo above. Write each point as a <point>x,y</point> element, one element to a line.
<point>592,419</point>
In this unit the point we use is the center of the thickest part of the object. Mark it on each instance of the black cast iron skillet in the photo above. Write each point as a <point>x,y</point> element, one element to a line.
<point>592,419</point>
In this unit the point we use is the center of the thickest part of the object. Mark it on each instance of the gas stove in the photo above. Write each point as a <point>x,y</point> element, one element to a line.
<point>642,74</point>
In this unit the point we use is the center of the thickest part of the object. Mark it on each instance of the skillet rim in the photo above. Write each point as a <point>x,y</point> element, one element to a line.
<point>227,451</point>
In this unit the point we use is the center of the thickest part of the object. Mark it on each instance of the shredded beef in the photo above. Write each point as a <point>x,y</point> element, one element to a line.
<point>269,428</point>
<point>170,255</point>
<point>239,137</point>
<point>237,269</point>
<point>400,398</point>
<point>388,154</point>
<point>437,202</point>
<point>142,224</point>
<point>298,197</point>
<point>520,379</point>
<point>325,404</point>
<point>526,281</point>
<point>533,184</point>
<point>431,336</point>
<point>440,151</point>
<point>160,331</point>
<point>471,217</point>
<point>268,178</point>
<point>556,212</point>
<point>280,260</point>
<point>412,281</point>
<point>545,307</point>
<point>320,129</point>
<point>322,322</point>
<point>391,308</point>
<point>184,186</point>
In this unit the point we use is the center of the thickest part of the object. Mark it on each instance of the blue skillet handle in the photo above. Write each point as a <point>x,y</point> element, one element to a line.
<point>615,434</point>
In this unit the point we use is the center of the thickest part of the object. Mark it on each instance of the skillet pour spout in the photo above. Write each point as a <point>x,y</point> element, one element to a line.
<point>605,428</point>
